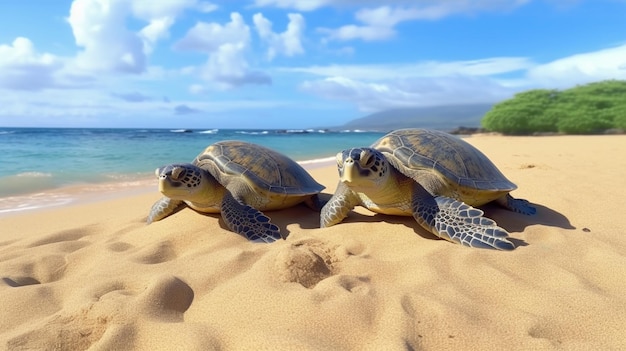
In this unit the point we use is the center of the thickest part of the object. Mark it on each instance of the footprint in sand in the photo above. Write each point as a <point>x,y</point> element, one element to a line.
<point>157,253</point>
<point>119,246</point>
<point>43,260</point>
<point>66,241</point>
<point>310,261</point>
<point>166,298</point>
<point>46,269</point>
<point>67,235</point>
<point>107,312</point>
<point>306,262</point>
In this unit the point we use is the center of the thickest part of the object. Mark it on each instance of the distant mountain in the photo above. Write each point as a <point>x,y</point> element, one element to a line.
<point>435,117</point>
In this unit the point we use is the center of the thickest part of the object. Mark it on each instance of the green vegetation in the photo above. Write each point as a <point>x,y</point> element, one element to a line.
<point>584,109</point>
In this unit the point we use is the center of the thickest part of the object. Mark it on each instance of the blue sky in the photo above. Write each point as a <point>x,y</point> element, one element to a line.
<point>289,63</point>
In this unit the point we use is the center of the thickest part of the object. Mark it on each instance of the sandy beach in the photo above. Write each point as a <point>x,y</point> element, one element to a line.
<point>95,276</point>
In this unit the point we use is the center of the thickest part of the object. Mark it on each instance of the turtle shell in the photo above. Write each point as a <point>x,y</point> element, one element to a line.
<point>262,168</point>
<point>416,150</point>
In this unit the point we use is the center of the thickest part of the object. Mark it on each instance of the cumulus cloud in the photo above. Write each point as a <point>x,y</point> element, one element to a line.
<point>582,68</point>
<point>226,46</point>
<point>287,43</point>
<point>99,28</point>
<point>23,68</point>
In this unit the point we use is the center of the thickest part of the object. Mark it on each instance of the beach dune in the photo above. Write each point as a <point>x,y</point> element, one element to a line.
<point>95,276</point>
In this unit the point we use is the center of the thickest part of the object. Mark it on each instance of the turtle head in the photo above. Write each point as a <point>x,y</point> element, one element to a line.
<point>182,181</point>
<point>362,167</point>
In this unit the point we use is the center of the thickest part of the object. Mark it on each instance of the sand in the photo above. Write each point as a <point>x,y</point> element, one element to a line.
<point>95,276</point>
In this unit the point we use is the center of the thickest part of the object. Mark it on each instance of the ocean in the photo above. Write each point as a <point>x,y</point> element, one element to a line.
<point>35,163</point>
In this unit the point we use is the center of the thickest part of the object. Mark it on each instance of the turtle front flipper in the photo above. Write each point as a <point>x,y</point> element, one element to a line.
<point>516,205</point>
<point>338,207</point>
<point>164,207</point>
<point>248,221</point>
<point>457,221</point>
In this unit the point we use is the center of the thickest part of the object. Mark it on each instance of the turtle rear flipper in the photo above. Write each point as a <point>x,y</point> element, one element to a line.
<point>457,221</point>
<point>516,205</point>
<point>248,221</point>
<point>164,207</point>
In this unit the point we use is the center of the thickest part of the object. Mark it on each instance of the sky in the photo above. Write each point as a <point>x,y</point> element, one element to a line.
<point>289,63</point>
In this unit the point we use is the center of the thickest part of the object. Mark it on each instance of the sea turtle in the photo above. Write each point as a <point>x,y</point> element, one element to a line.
<point>430,175</point>
<point>240,180</point>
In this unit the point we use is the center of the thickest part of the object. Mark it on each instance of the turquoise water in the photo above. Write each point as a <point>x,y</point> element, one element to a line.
<point>36,160</point>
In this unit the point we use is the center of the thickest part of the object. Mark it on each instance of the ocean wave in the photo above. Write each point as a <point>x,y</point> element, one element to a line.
<point>33,202</point>
<point>353,131</point>
<point>252,132</point>
<point>181,130</point>
<point>3,132</point>
<point>210,131</point>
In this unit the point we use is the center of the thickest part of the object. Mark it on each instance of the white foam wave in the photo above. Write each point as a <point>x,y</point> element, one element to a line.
<point>252,133</point>
<point>210,131</point>
<point>33,202</point>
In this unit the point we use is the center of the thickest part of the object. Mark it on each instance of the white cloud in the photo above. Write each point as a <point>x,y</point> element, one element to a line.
<point>23,68</point>
<point>209,37</point>
<point>288,42</point>
<point>377,87</point>
<point>99,27</point>
<point>378,23</point>
<point>582,68</point>
<point>427,91</point>
<point>484,67</point>
<point>226,46</point>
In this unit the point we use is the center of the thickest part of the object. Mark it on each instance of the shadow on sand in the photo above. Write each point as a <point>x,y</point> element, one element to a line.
<point>306,218</point>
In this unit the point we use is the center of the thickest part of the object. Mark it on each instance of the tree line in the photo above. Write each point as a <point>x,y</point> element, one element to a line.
<point>584,109</point>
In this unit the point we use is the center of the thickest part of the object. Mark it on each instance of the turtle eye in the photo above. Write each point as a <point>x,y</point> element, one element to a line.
<point>367,159</point>
<point>178,172</point>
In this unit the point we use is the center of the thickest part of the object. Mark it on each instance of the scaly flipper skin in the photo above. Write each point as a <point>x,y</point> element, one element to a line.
<point>248,221</point>
<point>163,208</point>
<point>517,205</point>
<point>457,222</point>
<point>338,207</point>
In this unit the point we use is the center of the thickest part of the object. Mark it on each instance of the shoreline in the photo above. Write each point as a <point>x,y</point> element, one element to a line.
<point>78,194</point>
